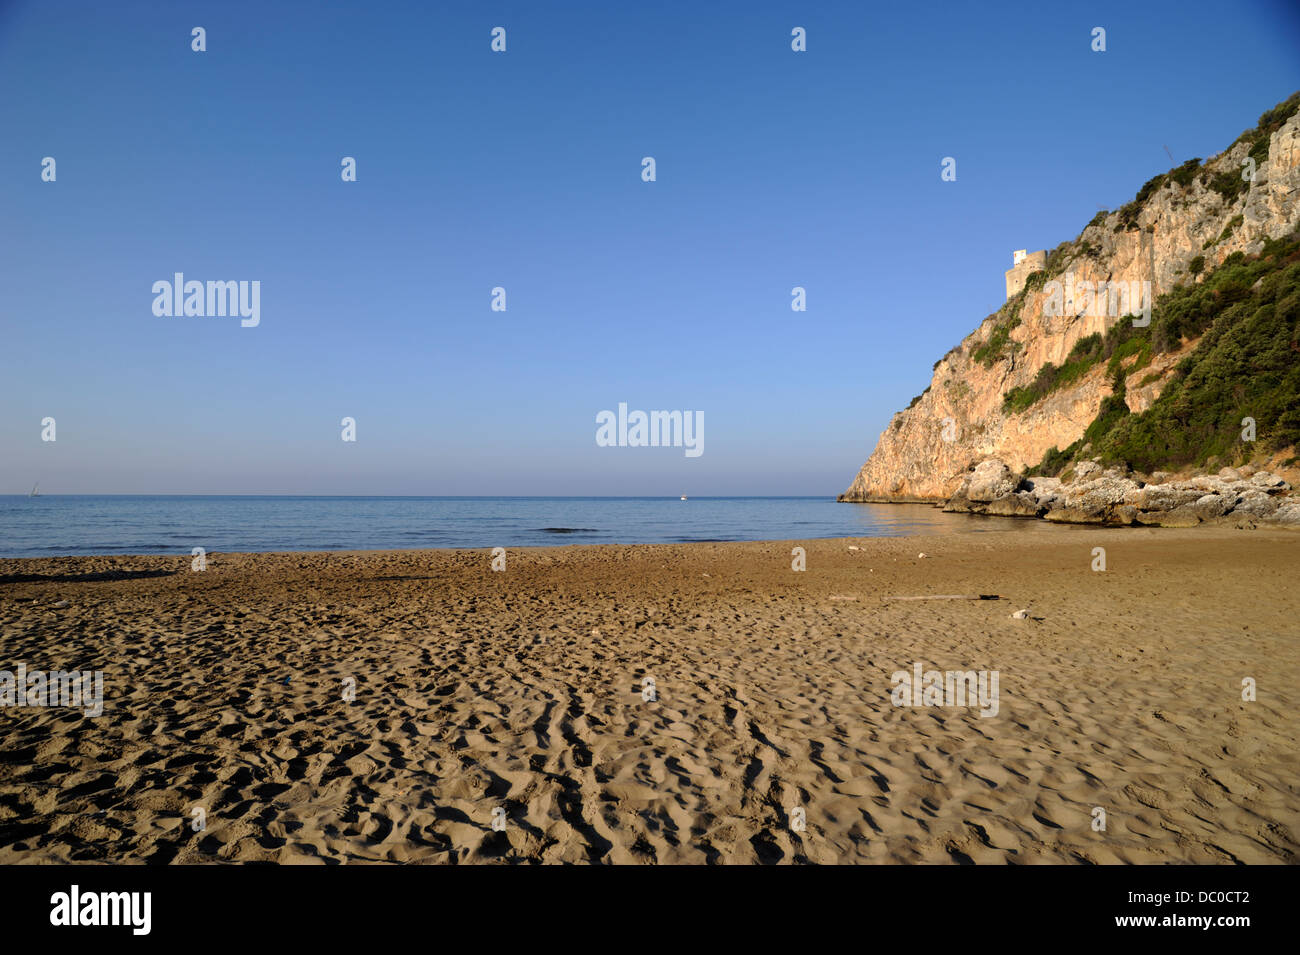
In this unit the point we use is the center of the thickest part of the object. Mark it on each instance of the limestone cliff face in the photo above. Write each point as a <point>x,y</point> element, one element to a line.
<point>959,420</point>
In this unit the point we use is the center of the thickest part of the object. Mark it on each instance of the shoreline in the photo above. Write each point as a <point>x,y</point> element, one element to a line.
<point>523,691</point>
<point>1087,493</point>
<point>858,540</point>
<point>1039,524</point>
<point>184,558</point>
<point>160,528</point>
<point>845,499</point>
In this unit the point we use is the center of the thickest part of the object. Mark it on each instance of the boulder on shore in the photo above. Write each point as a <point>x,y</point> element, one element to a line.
<point>1096,495</point>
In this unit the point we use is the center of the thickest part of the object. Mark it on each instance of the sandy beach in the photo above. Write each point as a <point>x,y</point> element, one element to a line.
<point>526,691</point>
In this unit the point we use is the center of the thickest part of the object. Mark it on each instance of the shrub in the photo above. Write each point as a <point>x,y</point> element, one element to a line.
<point>1121,340</point>
<point>1185,173</point>
<point>1150,187</point>
<point>1113,409</point>
<point>995,347</point>
<point>1138,345</point>
<point>1227,231</point>
<point>1246,313</point>
<point>1228,185</point>
<point>1054,461</point>
<point>1272,120</point>
<point>1057,259</point>
<point>999,343</point>
<point>948,354</point>
<point>1247,363</point>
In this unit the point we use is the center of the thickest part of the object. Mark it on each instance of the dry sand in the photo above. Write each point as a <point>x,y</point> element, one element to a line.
<point>522,691</point>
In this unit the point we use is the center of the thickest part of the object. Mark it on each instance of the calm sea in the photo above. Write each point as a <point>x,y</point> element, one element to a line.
<point>52,525</point>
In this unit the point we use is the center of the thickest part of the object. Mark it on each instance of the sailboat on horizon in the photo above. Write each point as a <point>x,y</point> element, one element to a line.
<point>36,490</point>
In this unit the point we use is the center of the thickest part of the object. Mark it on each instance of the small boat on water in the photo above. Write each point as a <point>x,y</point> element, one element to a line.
<point>36,490</point>
<point>683,497</point>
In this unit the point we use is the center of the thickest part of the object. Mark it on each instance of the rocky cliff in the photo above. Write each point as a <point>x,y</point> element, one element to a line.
<point>1180,227</point>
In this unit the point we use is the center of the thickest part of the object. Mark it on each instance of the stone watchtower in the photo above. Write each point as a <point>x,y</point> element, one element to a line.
<point>1024,264</point>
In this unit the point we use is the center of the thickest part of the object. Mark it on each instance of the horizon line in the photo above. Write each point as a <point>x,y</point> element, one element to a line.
<point>611,497</point>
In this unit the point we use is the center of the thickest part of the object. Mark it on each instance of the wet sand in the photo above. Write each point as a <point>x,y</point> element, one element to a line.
<point>524,691</point>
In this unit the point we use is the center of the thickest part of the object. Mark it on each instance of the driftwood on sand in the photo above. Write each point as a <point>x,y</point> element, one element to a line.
<point>949,597</point>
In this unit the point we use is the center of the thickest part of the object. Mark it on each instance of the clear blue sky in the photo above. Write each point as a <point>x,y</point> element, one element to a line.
<point>522,170</point>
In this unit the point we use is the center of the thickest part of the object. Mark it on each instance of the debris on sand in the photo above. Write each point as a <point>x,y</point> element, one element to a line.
<point>948,597</point>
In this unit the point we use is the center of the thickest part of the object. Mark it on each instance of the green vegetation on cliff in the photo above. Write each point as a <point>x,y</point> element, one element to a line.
<point>1121,341</point>
<point>999,344</point>
<point>1228,183</point>
<point>1246,365</point>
